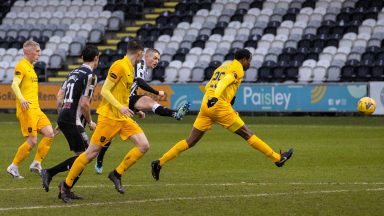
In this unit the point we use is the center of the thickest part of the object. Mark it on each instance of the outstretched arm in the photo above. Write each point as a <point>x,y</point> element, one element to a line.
<point>144,85</point>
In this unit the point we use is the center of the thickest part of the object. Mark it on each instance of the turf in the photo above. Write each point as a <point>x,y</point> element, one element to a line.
<point>336,169</point>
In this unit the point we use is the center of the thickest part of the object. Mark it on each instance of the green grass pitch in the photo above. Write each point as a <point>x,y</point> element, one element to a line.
<point>337,169</point>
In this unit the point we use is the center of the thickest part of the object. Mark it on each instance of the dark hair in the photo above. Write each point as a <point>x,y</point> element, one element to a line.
<point>134,46</point>
<point>242,53</point>
<point>89,53</point>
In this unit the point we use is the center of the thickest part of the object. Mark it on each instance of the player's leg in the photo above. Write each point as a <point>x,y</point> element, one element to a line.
<point>100,159</point>
<point>29,130</point>
<point>132,131</point>
<point>202,124</point>
<point>78,142</point>
<point>45,128</point>
<point>77,168</point>
<point>145,103</point>
<point>101,136</point>
<point>257,143</point>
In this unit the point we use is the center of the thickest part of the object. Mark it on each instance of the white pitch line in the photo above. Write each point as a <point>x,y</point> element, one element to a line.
<point>208,185</point>
<point>184,198</point>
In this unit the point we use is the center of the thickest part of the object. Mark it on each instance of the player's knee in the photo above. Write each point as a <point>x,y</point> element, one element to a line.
<point>143,147</point>
<point>50,135</point>
<point>32,141</point>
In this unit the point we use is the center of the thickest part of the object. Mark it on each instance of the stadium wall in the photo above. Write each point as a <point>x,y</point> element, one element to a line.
<point>340,97</point>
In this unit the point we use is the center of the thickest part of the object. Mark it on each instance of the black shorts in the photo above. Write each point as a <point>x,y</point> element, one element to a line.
<point>132,101</point>
<point>76,136</point>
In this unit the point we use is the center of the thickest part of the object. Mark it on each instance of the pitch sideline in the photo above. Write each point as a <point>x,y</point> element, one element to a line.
<point>184,198</point>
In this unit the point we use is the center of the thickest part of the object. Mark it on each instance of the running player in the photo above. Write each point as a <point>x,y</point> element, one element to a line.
<point>74,99</point>
<point>114,117</point>
<point>216,107</point>
<point>142,102</point>
<point>32,119</point>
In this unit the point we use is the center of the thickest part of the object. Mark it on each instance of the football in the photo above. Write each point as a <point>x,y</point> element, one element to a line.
<point>366,106</point>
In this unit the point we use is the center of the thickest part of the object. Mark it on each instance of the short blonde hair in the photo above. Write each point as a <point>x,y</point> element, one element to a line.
<point>30,43</point>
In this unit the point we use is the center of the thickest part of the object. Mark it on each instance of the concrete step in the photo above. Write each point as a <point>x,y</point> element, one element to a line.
<point>63,73</point>
<point>160,10</point>
<point>56,79</point>
<point>171,4</point>
<point>125,34</point>
<point>105,47</point>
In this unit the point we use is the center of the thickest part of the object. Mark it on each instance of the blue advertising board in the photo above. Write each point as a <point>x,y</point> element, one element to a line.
<point>281,97</point>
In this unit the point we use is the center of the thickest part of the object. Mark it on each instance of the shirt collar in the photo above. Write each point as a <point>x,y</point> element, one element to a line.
<point>87,66</point>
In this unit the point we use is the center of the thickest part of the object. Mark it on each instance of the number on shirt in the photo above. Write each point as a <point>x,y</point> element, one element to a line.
<point>218,75</point>
<point>69,93</point>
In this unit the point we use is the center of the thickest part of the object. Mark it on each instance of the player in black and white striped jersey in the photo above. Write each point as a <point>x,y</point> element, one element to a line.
<point>142,103</point>
<point>73,100</point>
<point>145,103</point>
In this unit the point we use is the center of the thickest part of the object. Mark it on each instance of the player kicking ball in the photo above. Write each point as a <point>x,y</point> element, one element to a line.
<point>216,107</point>
<point>142,102</point>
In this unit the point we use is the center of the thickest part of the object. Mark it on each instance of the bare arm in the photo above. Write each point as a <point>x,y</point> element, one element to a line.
<point>59,100</point>
<point>85,107</point>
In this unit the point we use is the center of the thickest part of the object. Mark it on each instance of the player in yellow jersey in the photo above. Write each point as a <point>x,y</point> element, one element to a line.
<point>32,119</point>
<point>114,117</point>
<point>216,107</point>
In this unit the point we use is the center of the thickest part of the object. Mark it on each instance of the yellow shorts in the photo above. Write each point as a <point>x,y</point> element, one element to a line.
<point>107,129</point>
<point>221,113</point>
<point>32,121</point>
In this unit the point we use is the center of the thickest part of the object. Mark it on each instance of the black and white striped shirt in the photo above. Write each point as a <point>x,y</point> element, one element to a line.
<point>80,82</point>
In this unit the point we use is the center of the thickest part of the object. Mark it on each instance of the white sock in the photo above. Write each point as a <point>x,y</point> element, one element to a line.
<point>155,107</point>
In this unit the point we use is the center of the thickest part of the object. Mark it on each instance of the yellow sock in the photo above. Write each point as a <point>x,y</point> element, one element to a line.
<point>134,155</point>
<point>77,168</point>
<point>174,151</point>
<point>22,153</point>
<point>43,148</point>
<point>260,145</point>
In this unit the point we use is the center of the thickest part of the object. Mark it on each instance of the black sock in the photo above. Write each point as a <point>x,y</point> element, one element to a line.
<point>164,111</point>
<point>76,179</point>
<point>100,156</point>
<point>116,173</point>
<point>62,167</point>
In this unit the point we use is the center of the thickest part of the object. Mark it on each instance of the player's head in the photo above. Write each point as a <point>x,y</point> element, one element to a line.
<point>135,50</point>
<point>90,55</point>
<point>31,50</point>
<point>244,57</point>
<point>152,57</point>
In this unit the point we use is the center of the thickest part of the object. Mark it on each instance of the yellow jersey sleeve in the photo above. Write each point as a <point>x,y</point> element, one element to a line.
<point>115,72</point>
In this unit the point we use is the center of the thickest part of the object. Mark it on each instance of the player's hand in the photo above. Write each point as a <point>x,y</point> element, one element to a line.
<point>126,111</point>
<point>212,102</point>
<point>92,126</point>
<point>161,93</point>
<point>25,104</point>
<point>141,114</point>
<point>233,100</point>
<point>56,130</point>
